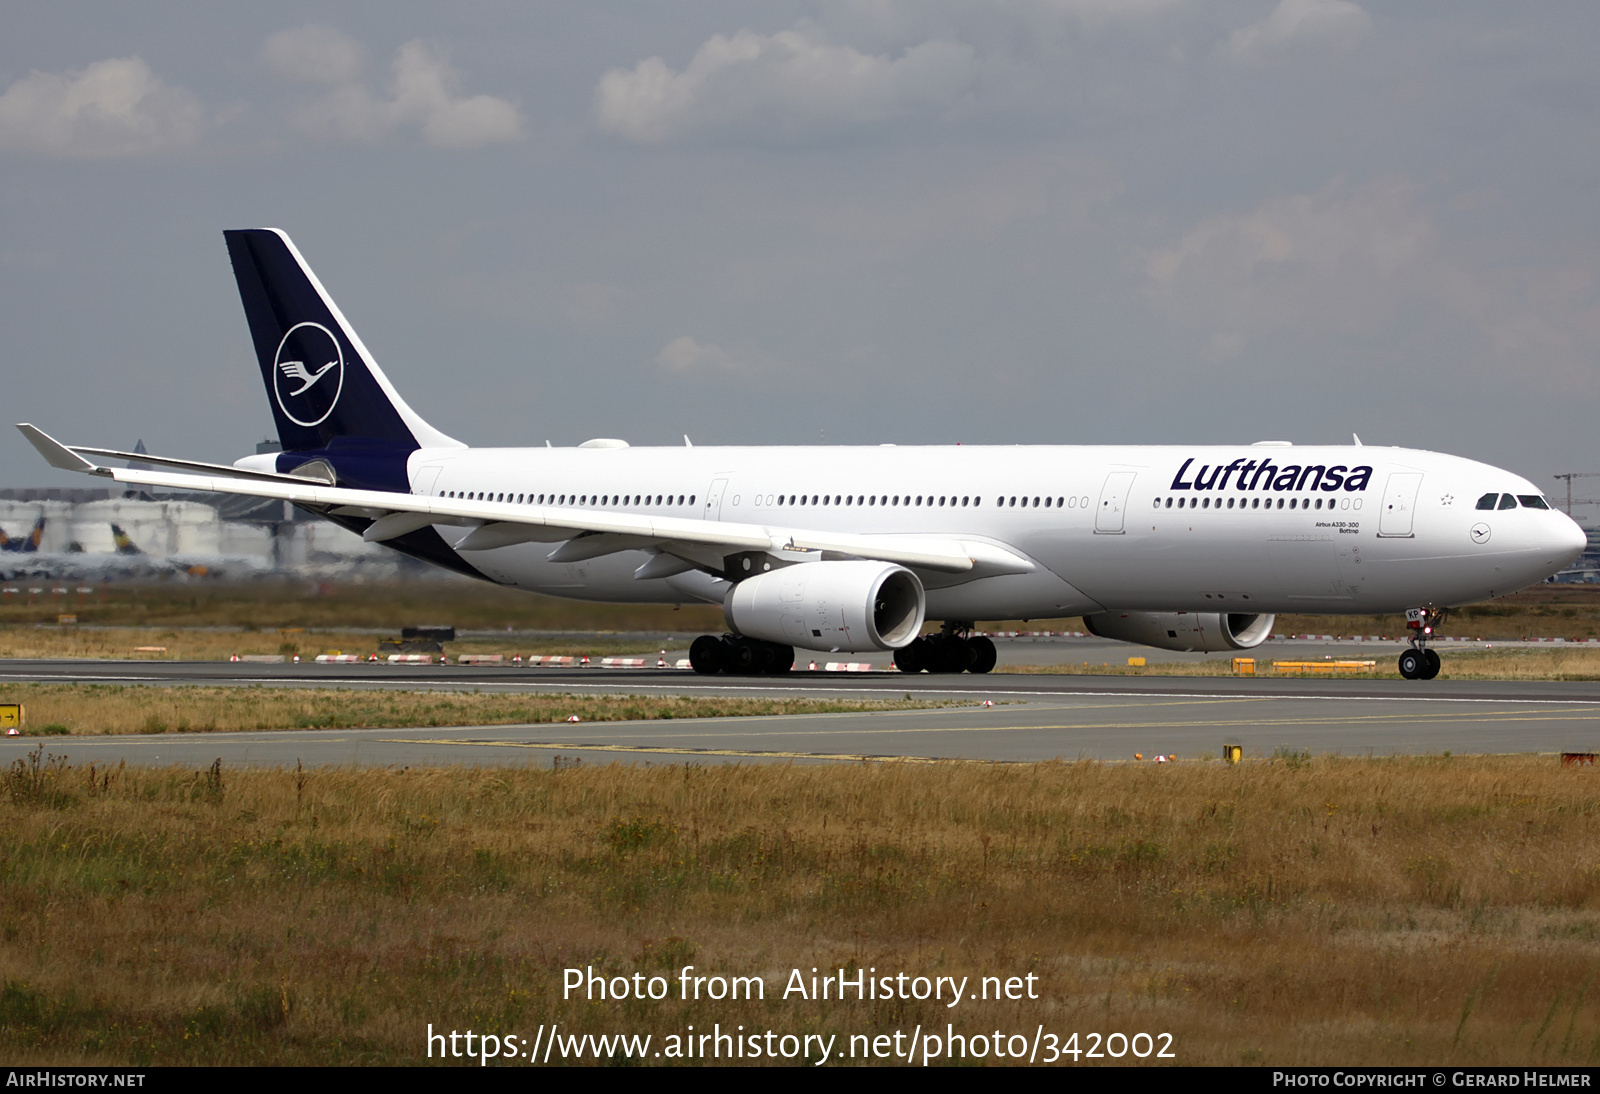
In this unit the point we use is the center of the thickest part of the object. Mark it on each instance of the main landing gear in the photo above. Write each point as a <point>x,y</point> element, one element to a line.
<point>951,650</point>
<point>739,656</point>
<point>1419,662</point>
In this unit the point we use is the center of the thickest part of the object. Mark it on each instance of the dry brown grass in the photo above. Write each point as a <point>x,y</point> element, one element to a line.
<point>58,709</point>
<point>198,644</point>
<point>271,604</point>
<point>1394,911</point>
<point>1543,611</point>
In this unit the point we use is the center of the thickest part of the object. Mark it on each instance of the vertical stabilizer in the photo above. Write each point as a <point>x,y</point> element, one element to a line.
<point>322,384</point>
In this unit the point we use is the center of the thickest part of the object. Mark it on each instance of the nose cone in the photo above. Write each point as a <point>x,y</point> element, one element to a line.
<point>1566,542</point>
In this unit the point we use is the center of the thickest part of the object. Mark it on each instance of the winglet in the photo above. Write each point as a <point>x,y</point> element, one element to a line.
<point>57,454</point>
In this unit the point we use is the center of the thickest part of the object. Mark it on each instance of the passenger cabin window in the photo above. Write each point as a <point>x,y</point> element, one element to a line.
<point>1508,501</point>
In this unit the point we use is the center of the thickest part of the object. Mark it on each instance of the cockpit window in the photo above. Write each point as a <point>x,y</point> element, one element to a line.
<point>1532,501</point>
<point>1508,501</point>
<point>1488,500</point>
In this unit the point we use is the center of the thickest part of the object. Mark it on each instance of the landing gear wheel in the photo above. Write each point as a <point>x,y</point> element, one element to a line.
<point>951,653</point>
<point>782,660</point>
<point>1431,665</point>
<point>984,655</point>
<point>766,657</point>
<point>1413,664</point>
<point>739,657</point>
<point>706,655</point>
<point>912,657</point>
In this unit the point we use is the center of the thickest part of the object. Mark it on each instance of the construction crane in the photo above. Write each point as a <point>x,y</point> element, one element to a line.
<point>1571,501</point>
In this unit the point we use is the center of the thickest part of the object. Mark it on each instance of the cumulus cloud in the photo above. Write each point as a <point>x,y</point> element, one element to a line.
<point>315,54</point>
<point>686,358</point>
<point>1340,260</point>
<point>112,108</point>
<point>423,92</point>
<point>782,87</point>
<point>1368,262</point>
<point>1296,24</point>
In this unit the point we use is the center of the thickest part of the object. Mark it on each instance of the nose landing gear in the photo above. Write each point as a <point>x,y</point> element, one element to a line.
<point>1419,662</point>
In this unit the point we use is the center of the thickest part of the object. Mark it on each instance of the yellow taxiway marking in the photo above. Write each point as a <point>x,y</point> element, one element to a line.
<point>702,727</point>
<point>665,750</point>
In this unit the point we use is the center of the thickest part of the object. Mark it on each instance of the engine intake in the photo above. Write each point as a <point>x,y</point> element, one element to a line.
<point>855,606</point>
<point>1200,632</point>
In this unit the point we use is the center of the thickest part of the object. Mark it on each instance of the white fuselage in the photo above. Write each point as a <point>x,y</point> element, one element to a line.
<point>1261,528</point>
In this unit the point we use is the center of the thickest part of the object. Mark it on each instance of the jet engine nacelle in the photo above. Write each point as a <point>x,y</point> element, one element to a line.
<point>855,606</point>
<point>1202,632</point>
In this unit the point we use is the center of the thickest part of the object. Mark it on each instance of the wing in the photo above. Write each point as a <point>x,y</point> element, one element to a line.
<point>587,533</point>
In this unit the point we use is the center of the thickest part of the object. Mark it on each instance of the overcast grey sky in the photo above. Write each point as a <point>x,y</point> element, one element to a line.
<point>1025,221</point>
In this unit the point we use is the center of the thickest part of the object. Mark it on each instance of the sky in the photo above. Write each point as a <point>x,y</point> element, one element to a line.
<point>906,221</point>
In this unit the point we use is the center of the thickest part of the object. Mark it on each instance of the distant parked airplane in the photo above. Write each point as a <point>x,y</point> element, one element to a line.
<point>24,544</point>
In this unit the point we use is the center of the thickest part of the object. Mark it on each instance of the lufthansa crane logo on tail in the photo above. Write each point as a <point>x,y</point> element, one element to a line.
<point>308,374</point>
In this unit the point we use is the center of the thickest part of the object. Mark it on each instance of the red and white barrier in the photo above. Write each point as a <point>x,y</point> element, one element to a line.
<point>411,659</point>
<point>624,662</point>
<point>480,659</point>
<point>338,658</point>
<point>848,666</point>
<point>548,659</point>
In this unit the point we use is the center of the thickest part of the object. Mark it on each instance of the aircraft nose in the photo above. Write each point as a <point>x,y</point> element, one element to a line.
<point>1567,541</point>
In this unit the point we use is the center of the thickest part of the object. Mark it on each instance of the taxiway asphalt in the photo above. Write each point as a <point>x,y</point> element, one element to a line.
<point>1034,717</point>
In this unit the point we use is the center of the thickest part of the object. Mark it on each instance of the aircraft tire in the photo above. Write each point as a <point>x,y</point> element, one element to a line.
<point>706,655</point>
<point>984,655</point>
<point>1412,664</point>
<point>782,660</point>
<point>765,656</point>
<point>912,657</point>
<point>739,657</point>
<point>1431,664</point>
<point>950,654</point>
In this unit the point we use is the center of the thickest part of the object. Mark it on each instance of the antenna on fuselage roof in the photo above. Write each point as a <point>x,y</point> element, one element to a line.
<point>547,443</point>
<point>687,443</point>
<point>1357,439</point>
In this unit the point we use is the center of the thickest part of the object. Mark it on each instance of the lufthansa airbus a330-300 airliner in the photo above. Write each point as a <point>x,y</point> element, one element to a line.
<point>853,549</point>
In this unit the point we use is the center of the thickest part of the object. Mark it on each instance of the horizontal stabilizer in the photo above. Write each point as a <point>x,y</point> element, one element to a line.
<point>57,454</point>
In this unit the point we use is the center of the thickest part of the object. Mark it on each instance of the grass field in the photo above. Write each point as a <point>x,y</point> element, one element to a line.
<point>1287,911</point>
<point>65,709</point>
<point>192,644</point>
<point>1565,611</point>
<point>271,605</point>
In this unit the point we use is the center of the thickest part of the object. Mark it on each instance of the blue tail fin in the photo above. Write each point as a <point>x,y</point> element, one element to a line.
<point>328,397</point>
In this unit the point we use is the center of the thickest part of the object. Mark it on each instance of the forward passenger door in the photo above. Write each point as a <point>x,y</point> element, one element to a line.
<point>1399,504</point>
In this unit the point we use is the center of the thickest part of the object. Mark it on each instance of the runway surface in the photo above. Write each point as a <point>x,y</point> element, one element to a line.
<point>1034,717</point>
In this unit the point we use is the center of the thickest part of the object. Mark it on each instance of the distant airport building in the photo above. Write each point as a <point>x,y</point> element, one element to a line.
<point>112,534</point>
